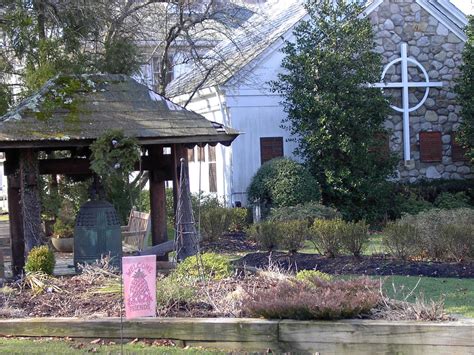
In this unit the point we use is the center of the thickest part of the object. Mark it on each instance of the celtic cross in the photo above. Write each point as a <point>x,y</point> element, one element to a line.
<point>405,85</point>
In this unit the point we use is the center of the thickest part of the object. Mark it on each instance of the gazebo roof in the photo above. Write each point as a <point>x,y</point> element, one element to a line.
<point>75,110</point>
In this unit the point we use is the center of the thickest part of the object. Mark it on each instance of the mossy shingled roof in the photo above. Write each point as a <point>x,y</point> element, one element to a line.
<point>81,108</point>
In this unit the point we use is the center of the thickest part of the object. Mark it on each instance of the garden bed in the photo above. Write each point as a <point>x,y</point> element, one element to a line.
<point>364,265</point>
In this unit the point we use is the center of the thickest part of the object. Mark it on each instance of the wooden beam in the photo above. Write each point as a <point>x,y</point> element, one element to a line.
<point>159,231</point>
<point>81,166</point>
<point>15,214</point>
<point>30,199</point>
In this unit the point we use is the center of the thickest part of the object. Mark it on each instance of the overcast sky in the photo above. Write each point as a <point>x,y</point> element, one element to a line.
<point>465,5</point>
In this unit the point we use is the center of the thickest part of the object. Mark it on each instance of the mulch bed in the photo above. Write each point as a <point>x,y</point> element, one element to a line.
<point>365,265</point>
<point>231,242</point>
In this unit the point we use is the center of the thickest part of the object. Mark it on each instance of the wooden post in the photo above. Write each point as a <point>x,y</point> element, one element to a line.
<point>30,199</point>
<point>15,212</point>
<point>158,215</point>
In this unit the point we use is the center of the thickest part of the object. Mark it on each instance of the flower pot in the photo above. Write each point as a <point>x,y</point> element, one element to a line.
<point>64,245</point>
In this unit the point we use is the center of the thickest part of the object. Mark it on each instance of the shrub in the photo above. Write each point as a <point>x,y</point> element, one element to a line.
<point>310,275</point>
<point>410,204</point>
<point>459,240</point>
<point>320,300</point>
<point>40,258</point>
<point>430,224</point>
<point>448,201</point>
<point>173,290</point>
<point>355,237</point>
<point>326,236</point>
<point>214,222</point>
<point>400,237</point>
<point>266,234</point>
<point>308,211</point>
<point>238,219</point>
<point>207,266</point>
<point>283,182</point>
<point>63,229</point>
<point>430,190</point>
<point>292,234</point>
<point>434,234</point>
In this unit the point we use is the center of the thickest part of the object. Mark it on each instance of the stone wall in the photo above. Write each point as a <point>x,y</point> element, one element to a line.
<point>439,51</point>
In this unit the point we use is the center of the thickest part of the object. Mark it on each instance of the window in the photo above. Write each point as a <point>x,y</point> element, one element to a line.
<point>431,149</point>
<point>191,155</point>
<point>270,147</point>
<point>201,154</point>
<point>212,169</point>
<point>458,152</point>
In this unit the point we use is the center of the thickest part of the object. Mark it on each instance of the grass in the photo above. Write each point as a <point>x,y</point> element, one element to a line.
<point>55,346</point>
<point>4,217</point>
<point>458,293</point>
<point>375,246</point>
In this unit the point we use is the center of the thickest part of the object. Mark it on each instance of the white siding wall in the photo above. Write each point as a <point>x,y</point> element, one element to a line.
<point>247,104</point>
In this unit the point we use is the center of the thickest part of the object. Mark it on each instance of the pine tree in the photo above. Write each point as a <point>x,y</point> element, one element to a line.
<point>334,115</point>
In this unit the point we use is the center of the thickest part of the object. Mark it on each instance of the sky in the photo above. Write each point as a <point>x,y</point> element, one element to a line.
<point>465,5</point>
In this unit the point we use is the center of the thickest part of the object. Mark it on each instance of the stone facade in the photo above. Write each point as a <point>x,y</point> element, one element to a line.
<point>438,50</point>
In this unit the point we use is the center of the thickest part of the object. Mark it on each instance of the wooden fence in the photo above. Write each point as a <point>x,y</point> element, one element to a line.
<point>326,337</point>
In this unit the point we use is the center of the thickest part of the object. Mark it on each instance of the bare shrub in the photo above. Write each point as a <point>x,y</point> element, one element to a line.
<point>355,237</point>
<point>421,310</point>
<point>459,238</point>
<point>316,300</point>
<point>400,238</point>
<point>266,234</point>
<point>292,234</point>
<point>326,236</point>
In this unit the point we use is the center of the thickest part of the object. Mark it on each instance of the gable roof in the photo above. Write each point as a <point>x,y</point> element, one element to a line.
<point>75,110</point>
<point>230,56</point>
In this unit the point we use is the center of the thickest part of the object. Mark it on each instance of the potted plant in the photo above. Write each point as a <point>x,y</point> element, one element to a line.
<point>63,229</point>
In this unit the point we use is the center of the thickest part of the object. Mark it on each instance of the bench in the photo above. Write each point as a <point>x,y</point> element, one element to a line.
<point>134,234</point>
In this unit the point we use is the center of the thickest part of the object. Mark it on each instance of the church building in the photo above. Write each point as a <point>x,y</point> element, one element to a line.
<point>421,42</point>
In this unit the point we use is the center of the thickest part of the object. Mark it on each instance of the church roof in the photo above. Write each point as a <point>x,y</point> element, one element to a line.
<point>230,56</point>
<point>75,110</point>
<point>249,42</point>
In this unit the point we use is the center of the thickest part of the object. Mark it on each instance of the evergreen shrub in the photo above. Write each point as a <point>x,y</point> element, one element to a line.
<point>207,266</point>
<point>40,258</point>
<point>283,182</point>
<point>308,211</point>
<point>310,275</point>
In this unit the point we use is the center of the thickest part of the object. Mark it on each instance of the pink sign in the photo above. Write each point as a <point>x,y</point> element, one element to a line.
<point>139,278</point>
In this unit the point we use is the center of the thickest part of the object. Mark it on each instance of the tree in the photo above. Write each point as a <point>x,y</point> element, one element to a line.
<point>45,37</point>
<point>334,114</point>
<point>465,91</point>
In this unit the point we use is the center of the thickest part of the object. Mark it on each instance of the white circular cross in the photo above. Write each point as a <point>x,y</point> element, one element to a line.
<point>412,85</point>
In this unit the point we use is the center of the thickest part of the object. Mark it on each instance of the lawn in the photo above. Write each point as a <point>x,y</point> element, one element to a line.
<point>458,293</point>
<point>50,346</point>
<point>374,246</point>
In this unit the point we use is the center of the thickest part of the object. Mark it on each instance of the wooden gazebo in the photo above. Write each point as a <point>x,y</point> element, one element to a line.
<point>68,114</point>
